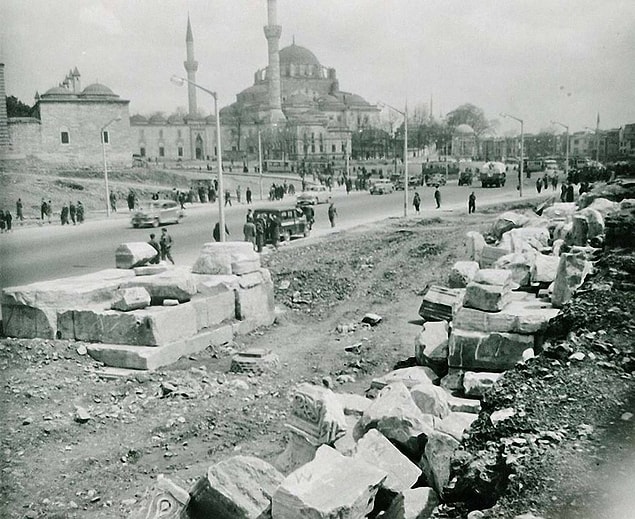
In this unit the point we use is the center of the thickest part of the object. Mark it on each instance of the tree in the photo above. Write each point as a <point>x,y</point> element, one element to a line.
<point>468,114</point>
<point>235,116</point>
<point>16,108</point>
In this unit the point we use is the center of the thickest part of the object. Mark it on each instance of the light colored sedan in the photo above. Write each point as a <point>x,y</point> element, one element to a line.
<point>313,195</point>
<point>157,212</point>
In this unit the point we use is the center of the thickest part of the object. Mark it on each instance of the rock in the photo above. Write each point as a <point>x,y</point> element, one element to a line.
<point>353,404</point>
<point>620,229</point>
<point>128,299</point>
<point>395,414</point>
<point>527,239</point>
<point>415,503</point>
<point>495,351</point>
<point>170,302</point>
<point>345,444</point>
<point>453,381</point>
<point>544,268</point>
<point>490,255</point>
<point>81,350</point>
<point>462,273</point>
<point>475,244</point>
<point>560,211</point>
<point>501,415</point>
<point>217,257</point>
<point>518,264</point>
<point>256,304</point>
<point>626,416</point>
<point>436,460</point>
<point>580,231</point>
<point>150,270</point>
<point>375,449</point>
<point>176,283</point>
<point>604,206</point>
<point>164,500</point>
<point>564,231</point>
<point>557,247</point>
<point>507,221</point>
<point>577,356</point>
<point>455,424</point>
<point>440,303</point>
<point>431,344</point>
<point>245,265</point>
<point>431,400</point>
<point>476,384</point>
<point>464,405</point>
<point>299,451</point>
<point>134,254</point>
<point>254,360</point>
<point>81,415</point>
<point>372,319</point>
<point>595,222</point>
<point>236,488</point>
<point>572,270</point>
<point>489,290</point>
<point>330,486</point>
<point>408,376</point>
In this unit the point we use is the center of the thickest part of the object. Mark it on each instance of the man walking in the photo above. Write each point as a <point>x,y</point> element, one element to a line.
<point>260,233</point>
<point>238,194</point>
<point>43,211</point>
<point>166,245</point>
<point>72,211</point>
<point>471,203</point>
<point>416,201</point>
<point>332,213</point>
<point>155,245</point>
<point>80,212</point>
<point>18,210</point>
<point>249,230</point>
<point>113,201</point>
<point>437,197</point>
<point>228,198</point>
<point>248,195</point>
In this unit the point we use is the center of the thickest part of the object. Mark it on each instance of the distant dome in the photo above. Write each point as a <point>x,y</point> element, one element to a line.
<point>57,91</point>
<point>138,119</point>
<point>210,119</point>
<point>157,119</point>
<point>354,100</point>
<point>330,102</point>
<point>176,119</point>
<point>464,129</point>
<point>97,89</point>
<point>296,55</point>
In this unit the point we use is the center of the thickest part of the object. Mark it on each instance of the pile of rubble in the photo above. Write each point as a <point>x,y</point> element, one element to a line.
<point>140,316</point>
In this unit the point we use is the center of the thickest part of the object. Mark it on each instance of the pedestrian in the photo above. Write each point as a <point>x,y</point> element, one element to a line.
<point>72,211</point>
<point>130,200</point>
<point>471,203</point>
<point>113,201</point>
<point>416,201</point>
<point>64,214</point>
<point>539,185</point>
<point>216,231</point>
<point>165,244</point>
<point>250,216</point>
<point>274,230</point>
<point>157,247</point>
<point>563,192</point>
<point>569,193</point>
<point>554,182</point>
<point>43,209</point>
<point>238,194</point>
<point>8,220</point>
<point>228,198</point>
<point>545,182</point>
<point>260,233</point>
<point>437,197</point>
<point>80,212</point>
<point>49,210</point>
<point>248,195</point>
<point>332,213</point>
<point>18,210</point>
<point>2,222</point>
<point>310,215</point>
<point>249,230</point>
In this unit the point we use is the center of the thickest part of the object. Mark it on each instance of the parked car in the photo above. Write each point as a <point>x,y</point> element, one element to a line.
<point>157,212</point>
<point>292,220</point>
<point>466,177</point>
<point>313,194</point>
<point>381,187</point>
<point>493,174</point>
<point>436,180</point>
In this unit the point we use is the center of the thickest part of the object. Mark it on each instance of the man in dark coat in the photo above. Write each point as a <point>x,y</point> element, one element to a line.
<point>18,209</point>
<point>155,244</point>
<point>216,231</point>
<point>165,245</point>
<point>437,197</point>
<point>471,203</point>
<point>332,213</point>
<point>260,233</point>
<point>72,211</point>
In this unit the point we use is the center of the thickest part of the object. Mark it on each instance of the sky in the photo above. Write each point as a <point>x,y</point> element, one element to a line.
<point>540,60</point>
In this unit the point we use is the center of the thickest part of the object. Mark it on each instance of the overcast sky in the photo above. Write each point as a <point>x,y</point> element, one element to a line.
<point>537,59</point>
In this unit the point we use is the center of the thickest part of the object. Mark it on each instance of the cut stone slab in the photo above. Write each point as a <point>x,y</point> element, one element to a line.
<point>395,414</point>
<point>175,283</point>
<point>134,254</point>
<point>431,344</point>
<point>455,424</point>
<point>462,273</point>
<point>489,290</point>
<point>437,457</point>
<point>372,319</point>
<point>330,486</point>
<point>526,239</point>
<point>518,264</point>
<point>415,503</point>
<point>475,244</point>
<point>572,270</point>
<point>153,357</point>
<point>453,381</point>
<point>254,360</point>
<point>150,270</point>
<point>595,222</point>
<point>580,232</point>
<point>476,384</point>
<point>209,285</point>
<point>217,257</point>
<point>508,221</point>
<point>560,211</point>
<point>544,268</point>
<point>299,452</point>
<point>431,400</point>
<point>495,351</point>
<point>464,405</point>
<point>346,444</point>
<point>245,265</point>
<point>491,254</point>
<point>440,303</point>
<point>375,449</point>
<point>239,487</point>
<point>214,309</point>
<point>164,496</point>
<point>353,404</point>
<point>604,206</point>
<point>256,304</point>
<point>131,299</point>
<point>410,377</point>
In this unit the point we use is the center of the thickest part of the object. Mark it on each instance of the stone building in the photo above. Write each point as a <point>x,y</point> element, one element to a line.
<point>464,142</point>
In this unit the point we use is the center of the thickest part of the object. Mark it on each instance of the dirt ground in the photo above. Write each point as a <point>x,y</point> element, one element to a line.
<point>56,462</point>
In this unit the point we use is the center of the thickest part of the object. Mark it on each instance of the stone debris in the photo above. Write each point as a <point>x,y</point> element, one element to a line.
<point>544,268</point>
<point>175,283</point>
<point>501,415</point>
<point>330,486</point>
<point>81,415</point>
<point>254,360</point>
<point>372,319</point>
<point>455,424</point>
<point>236,488</point>
<point>475,244</point>
<point>415,503</point>
<point>353,404</point>
<point>431,344</point>
<point>476,384</point>
<point>506,222</point>
<point>134,254</point>
<point>464,405</point>
<point>131,299</point>
<point>491,254</point>
<point>519,265</point>
<point>462,273</point>
<point>489,290</point>
<point>525,240</point>
<point>495,351</point>
<point>441,303</point>
<point>572,271</point>
<point>164,500</point>
<point>219,258</point>
<point>410,377</point>
<point>432,400</point>
<point>436,459</point>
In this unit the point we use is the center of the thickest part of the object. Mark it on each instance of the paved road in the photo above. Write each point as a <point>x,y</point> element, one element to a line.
<point>34,254</point>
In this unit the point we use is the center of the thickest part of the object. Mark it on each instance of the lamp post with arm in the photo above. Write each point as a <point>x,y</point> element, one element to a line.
<point>522,150</point>
<point>103,151</point>
<point>177,80</point>
<point>566,163</point>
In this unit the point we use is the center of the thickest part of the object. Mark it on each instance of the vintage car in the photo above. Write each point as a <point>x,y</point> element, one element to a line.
<point>313,194</point>
<point>493,174</point>
<point>293,223</point>
<point>435,180</point>
<point>157,212</point>
<point>381,187</point>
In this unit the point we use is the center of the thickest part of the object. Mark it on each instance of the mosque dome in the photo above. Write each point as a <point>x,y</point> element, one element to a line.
<point>296,55</point>
<point>138,119</point>
<point>97,89</point>
<point>157,119</point>
<point>176,119</point>
<point>57,91</point>
<point>330,102</point>
<point>464,129</point>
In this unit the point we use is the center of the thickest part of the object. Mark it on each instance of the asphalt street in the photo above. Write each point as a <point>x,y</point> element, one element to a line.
<point>52,251</point>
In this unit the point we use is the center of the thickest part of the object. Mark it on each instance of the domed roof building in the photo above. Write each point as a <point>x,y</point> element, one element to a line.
<point>464,129</point>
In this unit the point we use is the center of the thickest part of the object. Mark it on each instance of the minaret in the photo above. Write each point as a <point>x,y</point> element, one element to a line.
<point>4,122</point>
<point>191,65</point>
<point>272,33</point>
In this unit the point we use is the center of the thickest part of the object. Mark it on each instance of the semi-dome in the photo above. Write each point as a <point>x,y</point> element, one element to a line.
<point>464,129</point>
<point>296,55</point>
<point>97,89</point>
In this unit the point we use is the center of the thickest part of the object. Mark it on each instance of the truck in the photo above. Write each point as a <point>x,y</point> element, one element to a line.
<point>492,174</point>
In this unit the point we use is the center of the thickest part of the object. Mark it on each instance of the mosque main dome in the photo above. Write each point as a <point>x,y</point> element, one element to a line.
<point>297,55</point>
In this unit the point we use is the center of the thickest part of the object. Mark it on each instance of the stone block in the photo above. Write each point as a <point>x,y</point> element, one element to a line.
<point>214,309</point>
<point>153,357</point>
<point>441,303</point>
<point>431,344</point>
<point>455,424</point>
<point>491,254</point>
<point>415,503</point>
<point>210,285</point>
<point>254,360</point>
<point>256,304</point>
<point>476,384</point>
<point>508,221</point>
<point>346,444</point>
<point>27,322</point>
<point>604,206</point>
<point>241,266</point>
<point>431,400</point>
<point>395,414</point>
<point>525,240</point>
<point>595,222</point>
<point>253,279</point>
<point>453,381</point>
<point>239,487</point>
<point>560,211</point>
<point>464,405</point>
<point>330,486</point>
<point>580,231</point>
<point>298,452</point>
<point>150,270</point>
<point>544,268</point>
<point>437,457</point>
<point>131,299</point>
<point>475,244</point>
<point>217,257</point>
<point>353,404</point>
<point>518,264</point>
<point>165,500</point>
<point>489,298</point>
<point>572,271</point>
<point>462,273</point>
<point>495,351</point>
<point>175,283</point>
<point>133,254</point>
<point>410,377</point>
<point>376,450</point>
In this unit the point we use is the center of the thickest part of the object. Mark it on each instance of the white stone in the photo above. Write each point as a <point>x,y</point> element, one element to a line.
<point>605,206</point>
<point>493,351</point>
<point>525,239</point>
<point>475,244</point>
<point>410,377</point>
<point>476,384</point>
<point>431,344</point>
<point>131,299</point>
<point>175,283</point>
<point>595,222</point>
<point>560,211</point>
<point>455,424</point>
<point>134,254</point>
<point>501,415</point>
<point>464,405</point>
<point>415,503</point>
<point>436,460</point>
<point>544,268</point>
<point>353,404</point>
<point>431,400</point>
<point>346,444</point>
<point>462,273</point>
<point>572,271</point>
<point>518,264</point>
<point>330,486</point>
<point>217,257</point>
<point>256,304</point>
<point>507,221</point>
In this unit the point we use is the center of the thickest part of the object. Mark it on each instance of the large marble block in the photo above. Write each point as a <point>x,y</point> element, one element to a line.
<point>134,254</point>
<point>218,257</point>
<point>440,303</point>
<point>175,283</point>
<point>495,351</point>
<point>490,290</point>
<point>572,271</point>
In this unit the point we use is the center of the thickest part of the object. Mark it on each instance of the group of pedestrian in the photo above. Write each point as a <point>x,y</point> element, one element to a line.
<point>6,221</point>
<point>72,213</point>
<point>416,201</point>
<point>545,181</point>
<point>277,192</point>
<point>163,247</point>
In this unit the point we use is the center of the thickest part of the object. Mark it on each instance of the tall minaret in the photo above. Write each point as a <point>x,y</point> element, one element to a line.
<point>4,121</point>
<point>272,33</point>
<point>191,65</point>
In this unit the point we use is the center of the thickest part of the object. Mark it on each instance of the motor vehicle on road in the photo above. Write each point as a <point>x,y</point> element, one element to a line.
<point>436,180</point>
<point>313,195</point>
<point>157,212</point>
<point>293,223</point>
<point>381,187</point>
<point>493,174</point>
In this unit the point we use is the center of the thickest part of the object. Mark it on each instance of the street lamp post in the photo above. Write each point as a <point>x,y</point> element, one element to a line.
<point>103,151</point>
<point>260,162</point>
<point>522,150</point>
<point>566,164</point>
<point>177,80</point>
<point>405,153</point>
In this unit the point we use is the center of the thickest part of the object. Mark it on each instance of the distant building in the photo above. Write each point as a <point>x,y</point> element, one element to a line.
<point>464,142</point>
<point>627,141</point>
